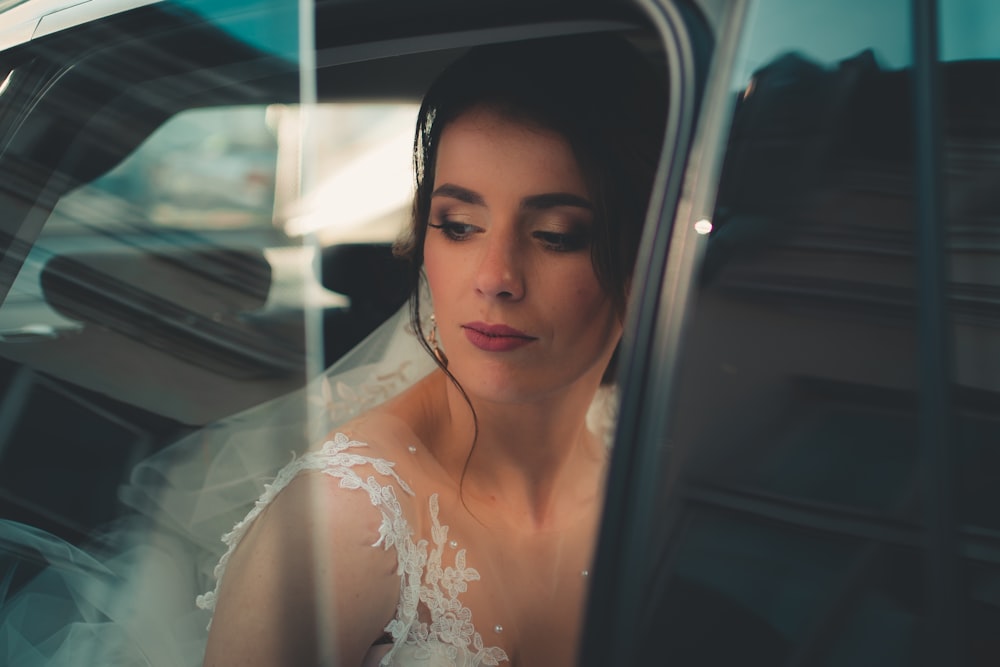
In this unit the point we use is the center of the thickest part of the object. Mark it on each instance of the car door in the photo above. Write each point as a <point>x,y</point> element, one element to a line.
<point>805,472</point>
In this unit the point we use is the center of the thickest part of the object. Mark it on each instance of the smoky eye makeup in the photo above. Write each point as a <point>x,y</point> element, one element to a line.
<point>453,230</point>
<point>567,237</point>
<point>452,222</point>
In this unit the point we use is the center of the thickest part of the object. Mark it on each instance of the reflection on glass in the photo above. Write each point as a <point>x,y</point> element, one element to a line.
<point>971,148</point>
<point>363,183</point>
<point>270,25</point>
<point>200,229</point>
<point>801,481</point>
<point>228,169</point>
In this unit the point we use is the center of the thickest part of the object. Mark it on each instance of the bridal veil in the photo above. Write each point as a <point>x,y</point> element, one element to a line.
<point>128,598</point>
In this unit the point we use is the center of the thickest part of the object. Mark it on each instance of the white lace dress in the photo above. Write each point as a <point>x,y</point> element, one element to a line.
<point>431,627</point>
<point>128,598</point>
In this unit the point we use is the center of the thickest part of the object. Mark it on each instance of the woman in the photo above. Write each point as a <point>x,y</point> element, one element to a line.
<point>455,523</point>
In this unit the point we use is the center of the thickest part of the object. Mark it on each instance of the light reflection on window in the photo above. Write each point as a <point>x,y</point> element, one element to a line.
<point>236,168</point>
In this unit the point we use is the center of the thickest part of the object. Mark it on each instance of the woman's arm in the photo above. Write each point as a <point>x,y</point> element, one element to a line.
<point>305,586</point>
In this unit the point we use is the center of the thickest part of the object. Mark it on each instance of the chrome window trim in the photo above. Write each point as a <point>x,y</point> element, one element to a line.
<point>669,249</point>
<point>37,18</point>
<point>404,46</point>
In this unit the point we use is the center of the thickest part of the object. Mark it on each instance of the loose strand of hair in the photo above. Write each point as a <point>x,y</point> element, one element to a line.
<point>418,328</point>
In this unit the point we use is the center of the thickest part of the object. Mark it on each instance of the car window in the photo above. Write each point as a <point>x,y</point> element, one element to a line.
<point>208,168</point>
<point>166,248</point>
<point>970,75</point>
<point>181,218</point>
<point>188,235</point>
<point>794,515</point>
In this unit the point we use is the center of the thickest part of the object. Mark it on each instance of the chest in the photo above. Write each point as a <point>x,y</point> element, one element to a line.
<point>492,594</point>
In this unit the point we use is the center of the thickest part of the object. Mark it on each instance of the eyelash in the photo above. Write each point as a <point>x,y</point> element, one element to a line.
<point>553,241</point>
<point>558,242</point>
<point>453,231</point>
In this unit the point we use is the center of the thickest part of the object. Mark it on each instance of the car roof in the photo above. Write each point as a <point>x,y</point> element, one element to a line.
<point>22,21</point>
<point>26,20</point>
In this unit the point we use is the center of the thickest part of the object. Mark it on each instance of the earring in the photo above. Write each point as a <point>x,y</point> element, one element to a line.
<point>432,341</point>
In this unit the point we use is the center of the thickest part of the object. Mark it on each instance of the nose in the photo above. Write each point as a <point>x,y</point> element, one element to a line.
<point>500,274</point>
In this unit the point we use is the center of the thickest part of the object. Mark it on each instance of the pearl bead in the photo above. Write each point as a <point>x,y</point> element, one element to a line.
<point>498,628</point>
<point>413,450</point>
<point>585,573</point>
<point>453,544</point>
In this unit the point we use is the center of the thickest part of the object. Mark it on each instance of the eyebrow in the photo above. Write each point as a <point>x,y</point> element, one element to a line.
<point>542,201</point>
<point>554,199</point>
<point>459,193</point>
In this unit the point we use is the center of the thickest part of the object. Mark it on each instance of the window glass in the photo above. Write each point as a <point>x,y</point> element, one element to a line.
<point>971,80</point>
<point>193,230</point>
<point>968,30</point>
<point>203,169</point>
<point>794,433</point>
<point>169,278</point>
<point>781,26</point>
<point>217,169</point>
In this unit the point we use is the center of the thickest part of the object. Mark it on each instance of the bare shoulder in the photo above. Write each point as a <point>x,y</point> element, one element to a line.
<point>310,581</point>
<point>402,426</point>
<point>384,432</point>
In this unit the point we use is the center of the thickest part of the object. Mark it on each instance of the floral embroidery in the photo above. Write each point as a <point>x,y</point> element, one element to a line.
<point>450,635</point>
<point>425,582</point>
<point>341,401</point>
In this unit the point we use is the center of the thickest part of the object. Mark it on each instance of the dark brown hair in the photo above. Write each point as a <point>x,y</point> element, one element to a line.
<point>596,91</point>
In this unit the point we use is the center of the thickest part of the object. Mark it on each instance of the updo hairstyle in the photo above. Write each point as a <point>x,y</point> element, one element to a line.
<point>597,91</point>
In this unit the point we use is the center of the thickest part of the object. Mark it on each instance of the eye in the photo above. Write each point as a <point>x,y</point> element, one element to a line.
<point>454,231</point>
<point>563,242</point>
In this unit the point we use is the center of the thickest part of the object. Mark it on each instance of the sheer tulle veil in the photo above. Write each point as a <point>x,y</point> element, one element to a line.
<point>129,598</point>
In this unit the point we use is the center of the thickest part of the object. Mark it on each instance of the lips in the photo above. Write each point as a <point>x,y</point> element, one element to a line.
<point>495,337</point>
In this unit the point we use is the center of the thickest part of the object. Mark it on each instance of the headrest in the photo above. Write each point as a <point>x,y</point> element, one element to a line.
<point>367,273</point>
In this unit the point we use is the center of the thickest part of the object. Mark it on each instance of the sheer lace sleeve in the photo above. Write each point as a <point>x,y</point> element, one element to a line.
<point>338,458</point>
<point>431,625</point>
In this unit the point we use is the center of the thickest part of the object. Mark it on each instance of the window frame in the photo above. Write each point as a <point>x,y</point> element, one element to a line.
<point>639,532</point>
<point>625,569</point>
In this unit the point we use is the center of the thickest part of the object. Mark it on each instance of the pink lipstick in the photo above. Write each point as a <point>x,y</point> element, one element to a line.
<point>495,337</point>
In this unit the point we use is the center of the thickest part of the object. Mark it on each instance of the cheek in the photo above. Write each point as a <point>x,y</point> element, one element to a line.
<point>580,299</point>
<point>434,267</point>
<point>446,274</point>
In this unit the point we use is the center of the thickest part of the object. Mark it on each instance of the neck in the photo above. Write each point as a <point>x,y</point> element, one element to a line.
<point>534,464</point>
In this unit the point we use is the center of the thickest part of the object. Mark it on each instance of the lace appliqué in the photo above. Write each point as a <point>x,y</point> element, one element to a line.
<point>341,400</point>
<point>450,635</point>
<point>334,460</point>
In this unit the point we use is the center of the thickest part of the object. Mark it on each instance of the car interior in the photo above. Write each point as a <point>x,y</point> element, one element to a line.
<point>164,330</point>
<point>787,495</point>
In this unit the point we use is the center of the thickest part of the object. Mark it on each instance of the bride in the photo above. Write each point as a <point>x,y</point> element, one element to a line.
<point>455,522</point>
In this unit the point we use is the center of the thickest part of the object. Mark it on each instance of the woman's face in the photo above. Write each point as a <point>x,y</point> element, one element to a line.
<point>520,312</point>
